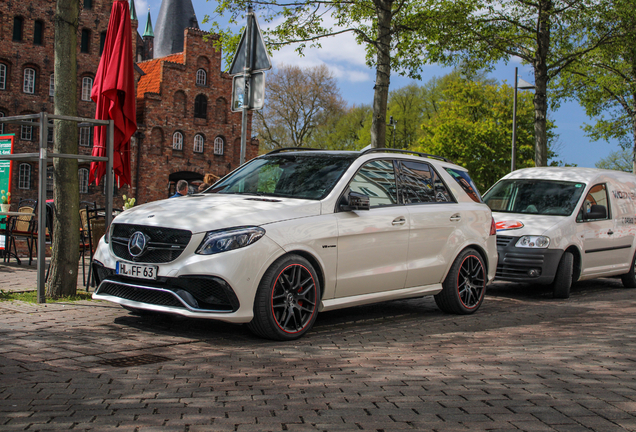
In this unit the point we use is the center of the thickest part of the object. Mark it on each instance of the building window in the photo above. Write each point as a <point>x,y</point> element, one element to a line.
<point>49,179</point>
<point>200,106</point>
<point>3,76</point>
<point>52,85</point>
<point>38,32</point>
<point>87,86</point>
<point>29,81</point>
<point>83,180</point>
<point>49,133</point>
<point>201,77</point>
<point>1,124</point>
<point>177,141</point>
<point>88,4</point>
<point>102,42</point>
<point>198,143</point>
<point>24,178</point>
<point>18,23</point>
<point>218,146</point>
<point>86,136</point>
<point>85,41</point>
<point>26,133</point>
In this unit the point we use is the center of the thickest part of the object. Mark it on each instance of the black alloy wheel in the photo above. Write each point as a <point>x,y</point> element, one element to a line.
<point>465,285</point>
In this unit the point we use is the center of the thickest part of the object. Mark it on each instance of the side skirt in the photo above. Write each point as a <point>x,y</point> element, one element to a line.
<point>339,303</point>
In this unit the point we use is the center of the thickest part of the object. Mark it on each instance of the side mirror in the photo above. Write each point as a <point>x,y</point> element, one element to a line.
<point>597,211</point>
<point>354,201</point>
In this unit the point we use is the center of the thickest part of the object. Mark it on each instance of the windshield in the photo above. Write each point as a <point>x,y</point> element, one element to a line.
<point>305,176</point>
<point>542,197</point>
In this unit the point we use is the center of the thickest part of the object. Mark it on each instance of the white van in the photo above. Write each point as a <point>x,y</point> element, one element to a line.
<point>560,225</point>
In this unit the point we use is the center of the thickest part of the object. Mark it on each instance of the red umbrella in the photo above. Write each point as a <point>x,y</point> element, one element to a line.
<point>114,93</point>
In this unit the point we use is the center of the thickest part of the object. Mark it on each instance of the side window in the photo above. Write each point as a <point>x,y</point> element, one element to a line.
<point>596,204</point>
<point>466,183</point>
<point>376,180</point>
<point>419,183</point>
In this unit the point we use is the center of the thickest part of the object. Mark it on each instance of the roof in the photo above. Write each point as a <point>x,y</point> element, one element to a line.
<point>148,32</point>
<point>573,174</point>
<point>151,81</point>
<point>174,17</point>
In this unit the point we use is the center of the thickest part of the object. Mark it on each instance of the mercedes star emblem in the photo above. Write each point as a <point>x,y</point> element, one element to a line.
<point>137,244</point>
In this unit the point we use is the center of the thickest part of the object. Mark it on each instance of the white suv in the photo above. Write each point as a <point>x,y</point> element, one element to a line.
<point>296,232</point>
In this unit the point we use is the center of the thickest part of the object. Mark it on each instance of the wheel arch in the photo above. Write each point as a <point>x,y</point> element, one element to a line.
<point>482,252</point>
<point>315,263</point>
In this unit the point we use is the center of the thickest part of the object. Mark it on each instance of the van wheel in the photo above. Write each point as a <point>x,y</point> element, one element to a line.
<point>563,279</point>
<point>629,279</point>
<point>286,302</point>
<point>465,285</point>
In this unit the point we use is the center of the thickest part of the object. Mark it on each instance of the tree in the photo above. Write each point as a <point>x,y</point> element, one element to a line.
<point>550,35</point>
<point>605,82</point>
<point>473,128</point>
<point>349,131</point>
<point>65,250</point>
<point>620,160</point>
<point>393,32</point>
<point>298,102</point>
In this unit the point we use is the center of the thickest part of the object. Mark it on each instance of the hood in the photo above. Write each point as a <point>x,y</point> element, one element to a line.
<point>207,212</point>
<point>508,223</point>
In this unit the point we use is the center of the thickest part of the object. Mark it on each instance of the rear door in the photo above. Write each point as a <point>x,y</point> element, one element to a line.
<point>373,244</point>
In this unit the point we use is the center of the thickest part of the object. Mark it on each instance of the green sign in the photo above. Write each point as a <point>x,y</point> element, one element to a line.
<point>6,147</point>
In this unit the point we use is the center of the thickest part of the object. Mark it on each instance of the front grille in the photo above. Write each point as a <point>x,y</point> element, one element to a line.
<point>516,265</point>
<point>164,244</point>
<point>503,241</point>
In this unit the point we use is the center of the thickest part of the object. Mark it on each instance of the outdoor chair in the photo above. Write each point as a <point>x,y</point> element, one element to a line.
<point>22,228</point>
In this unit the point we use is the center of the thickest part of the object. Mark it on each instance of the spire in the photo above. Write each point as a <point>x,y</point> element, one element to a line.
<point>148,32</point>
<point>174,17</point>
<point>133,12</point>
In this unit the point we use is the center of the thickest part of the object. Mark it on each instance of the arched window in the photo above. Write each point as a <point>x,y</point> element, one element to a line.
<point>85,41</point>
<point>83,180</point>
<point>198,143</point>
<point>29,81</point>
<point>218,146</point>
<point>18,23</point>
<point>49,179</point>
<point>52,85</point>
<point>87,86</point>
<point>3,76</point>
<point>202,77</point>
<point>38,32</point>
<point>177,141</point>
<point>86,136</point>
<point>24,177</point>
<point>200,106</point>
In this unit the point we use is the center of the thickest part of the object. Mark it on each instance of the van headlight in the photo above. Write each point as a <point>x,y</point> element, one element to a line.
<point>230,239</point>
<point>540,242</point>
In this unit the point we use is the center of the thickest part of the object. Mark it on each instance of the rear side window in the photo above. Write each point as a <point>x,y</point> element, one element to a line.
<point>419,183</point>
<point>466,183</point>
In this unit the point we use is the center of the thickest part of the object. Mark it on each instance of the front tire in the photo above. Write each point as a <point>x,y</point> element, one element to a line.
<point>629,279</point>
<point>563,279</point>
<point>286,302</point>
<point>465,284</point>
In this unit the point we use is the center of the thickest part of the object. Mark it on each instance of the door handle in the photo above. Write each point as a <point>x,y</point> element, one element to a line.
<point>399,221</point>
<point>456,217</point>
<point>610,232</point>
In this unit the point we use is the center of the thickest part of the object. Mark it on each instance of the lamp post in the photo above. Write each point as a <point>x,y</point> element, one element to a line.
<point>523,85</point>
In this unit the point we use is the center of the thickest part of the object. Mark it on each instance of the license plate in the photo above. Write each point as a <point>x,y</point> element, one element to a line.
<point>136,271</point>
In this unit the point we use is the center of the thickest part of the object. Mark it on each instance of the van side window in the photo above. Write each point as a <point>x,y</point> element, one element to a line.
<point>376,180</point>
<point>596,205</point>
<point>419,183</point>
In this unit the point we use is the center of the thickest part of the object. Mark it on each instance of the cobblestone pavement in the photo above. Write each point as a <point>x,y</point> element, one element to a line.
<point>524,361</point>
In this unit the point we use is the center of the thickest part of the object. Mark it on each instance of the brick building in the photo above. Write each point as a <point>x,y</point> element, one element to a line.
<point>186,127</point>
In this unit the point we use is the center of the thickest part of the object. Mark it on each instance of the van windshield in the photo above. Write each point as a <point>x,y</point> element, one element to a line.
<point>541,197</point>
<point>291,175</point>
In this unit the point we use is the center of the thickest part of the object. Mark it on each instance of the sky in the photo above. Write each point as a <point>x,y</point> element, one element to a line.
<point>345,59</point>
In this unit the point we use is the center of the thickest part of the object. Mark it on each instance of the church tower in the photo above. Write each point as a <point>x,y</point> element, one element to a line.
<point>149,37</point>
<point>174,17</point>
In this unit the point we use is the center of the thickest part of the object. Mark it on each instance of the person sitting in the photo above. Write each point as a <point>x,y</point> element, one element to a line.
<point>202,187</point>
<point>182,189</point>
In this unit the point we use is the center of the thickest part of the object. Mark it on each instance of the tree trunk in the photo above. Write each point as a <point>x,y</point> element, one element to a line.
<point>634,140</point>
<point>541,84</point>
<point>65,251</point>
<point>382,74</point>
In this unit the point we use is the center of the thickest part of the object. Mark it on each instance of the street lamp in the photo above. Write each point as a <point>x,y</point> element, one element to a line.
<point>523,85</point>
<point>393,123</point>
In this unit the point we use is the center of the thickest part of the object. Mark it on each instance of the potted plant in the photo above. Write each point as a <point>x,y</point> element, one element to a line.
<point>5,201</point>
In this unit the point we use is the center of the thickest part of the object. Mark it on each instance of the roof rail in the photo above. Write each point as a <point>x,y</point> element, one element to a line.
<point>280,150</point>
<point>389,150</point>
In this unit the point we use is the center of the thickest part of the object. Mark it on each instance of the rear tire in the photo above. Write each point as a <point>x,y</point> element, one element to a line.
<point>563,279</point>
<point>629,279</point>
<point>465,284</point>
<point>286,302</point>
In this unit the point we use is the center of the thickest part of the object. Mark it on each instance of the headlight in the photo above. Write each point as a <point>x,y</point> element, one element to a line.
<point>540,242</point>
<point>226,240</point>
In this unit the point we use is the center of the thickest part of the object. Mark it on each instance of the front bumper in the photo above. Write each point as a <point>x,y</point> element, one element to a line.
<point>526,265</point>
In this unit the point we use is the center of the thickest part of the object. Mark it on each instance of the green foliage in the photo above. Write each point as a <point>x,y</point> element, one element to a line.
<point>620,160</point>
<point>349,131</point>
<point>473,128</point>
<point>32,297</point>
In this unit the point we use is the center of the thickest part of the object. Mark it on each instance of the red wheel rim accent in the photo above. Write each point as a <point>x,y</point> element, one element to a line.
<point>294,298</point>
<point>471,282</point>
